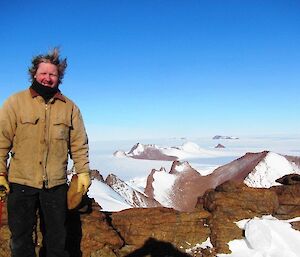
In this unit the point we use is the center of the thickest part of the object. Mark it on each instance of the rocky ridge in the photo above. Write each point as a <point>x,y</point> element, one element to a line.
<point>255,169</point>
<point>180,187</point>
<point>166,232</point>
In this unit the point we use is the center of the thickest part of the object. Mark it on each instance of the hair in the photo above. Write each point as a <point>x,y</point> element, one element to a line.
<point>53,58</point>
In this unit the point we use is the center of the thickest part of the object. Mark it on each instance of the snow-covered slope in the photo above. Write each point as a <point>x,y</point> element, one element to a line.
<point>270,168</point>
<point>106,197</point>
<point>132,196</point>
<point>163,183</point>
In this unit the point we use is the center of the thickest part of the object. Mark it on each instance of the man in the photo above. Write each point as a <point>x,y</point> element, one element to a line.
<point>39,127</point>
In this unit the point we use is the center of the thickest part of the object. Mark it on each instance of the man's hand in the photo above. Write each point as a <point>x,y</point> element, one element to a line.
<point>3,182</point>
<point>84,182</point>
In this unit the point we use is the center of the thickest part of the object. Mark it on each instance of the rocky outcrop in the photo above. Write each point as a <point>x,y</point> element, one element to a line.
<point>183,230</point>
<point>288,197</point>
<point>163,232</point>
<point>97,232</point>
<point>95,174</point>
<point>234,201</point>
<point>231,202</point>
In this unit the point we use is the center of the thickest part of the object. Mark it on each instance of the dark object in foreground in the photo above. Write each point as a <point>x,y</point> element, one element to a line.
<point>290,179</point>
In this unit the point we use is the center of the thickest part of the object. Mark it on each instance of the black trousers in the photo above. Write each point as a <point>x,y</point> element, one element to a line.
<point>22,205</point>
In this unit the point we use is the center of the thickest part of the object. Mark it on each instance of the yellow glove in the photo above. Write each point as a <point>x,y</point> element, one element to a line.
<point>3,182</point>
<point>84,182</point>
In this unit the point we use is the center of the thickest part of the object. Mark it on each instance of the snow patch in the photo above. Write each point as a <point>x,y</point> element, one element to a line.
<point>266,237</point>
<point>197,248</point>
<point>106,197</point>
<point>163,184</point>
<point>182,167</point>
<point>138,184</point>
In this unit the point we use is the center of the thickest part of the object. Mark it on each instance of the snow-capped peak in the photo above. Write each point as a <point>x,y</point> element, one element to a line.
<point>137,149</point>
<point>180,167</point>
<point>272,167</point>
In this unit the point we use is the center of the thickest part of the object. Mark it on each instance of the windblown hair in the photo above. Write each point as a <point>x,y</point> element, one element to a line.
<point>51,57</point>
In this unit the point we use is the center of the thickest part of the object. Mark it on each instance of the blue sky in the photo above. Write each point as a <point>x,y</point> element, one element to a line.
<point>142,69</point>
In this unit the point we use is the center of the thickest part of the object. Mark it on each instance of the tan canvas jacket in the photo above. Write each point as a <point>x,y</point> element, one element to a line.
<point>39,137</point>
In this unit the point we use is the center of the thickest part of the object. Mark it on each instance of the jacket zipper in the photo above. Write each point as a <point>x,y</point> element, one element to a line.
<point>47,127</point>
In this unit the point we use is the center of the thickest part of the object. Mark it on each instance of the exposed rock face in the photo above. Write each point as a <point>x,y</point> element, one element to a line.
<point>294,159</point>
<point>180,194</point>
<point>131,232</point>
<point>97,233</point>
<point>95,174</point>
<point>288,197</point>
<point>290,179</point>
<point>184,230</point>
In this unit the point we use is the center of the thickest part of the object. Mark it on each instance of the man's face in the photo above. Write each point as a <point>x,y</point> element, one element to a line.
<point>47,74</point>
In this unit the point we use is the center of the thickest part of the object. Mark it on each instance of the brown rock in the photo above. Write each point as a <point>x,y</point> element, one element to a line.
<point>289,201</point>
<point>97,232</point>
<point>290,179</point>
<point>231,202</point>
<point>95,174</point>
<point>182,230</point>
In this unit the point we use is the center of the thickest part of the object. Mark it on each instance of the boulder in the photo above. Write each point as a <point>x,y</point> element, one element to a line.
<point>155,226</point>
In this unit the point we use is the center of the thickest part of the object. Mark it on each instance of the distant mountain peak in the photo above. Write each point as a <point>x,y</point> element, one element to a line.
<point>224,137</point>
<point>219,146</point>
<point>178,167</point>
<point>147,152</point>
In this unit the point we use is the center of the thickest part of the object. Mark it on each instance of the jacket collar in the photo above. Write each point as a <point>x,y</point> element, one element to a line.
<point>58,95</point>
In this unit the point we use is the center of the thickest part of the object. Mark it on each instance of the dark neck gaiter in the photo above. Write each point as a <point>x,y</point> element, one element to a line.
<point>46,92</point>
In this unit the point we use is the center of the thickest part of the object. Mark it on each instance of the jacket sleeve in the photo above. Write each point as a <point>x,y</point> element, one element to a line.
<point>79,149</point>
<point>8,124</point>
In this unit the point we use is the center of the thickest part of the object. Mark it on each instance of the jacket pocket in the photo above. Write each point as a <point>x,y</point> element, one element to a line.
<point>61,128</point>
<point>29,119</point>
<point>27,128</point>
